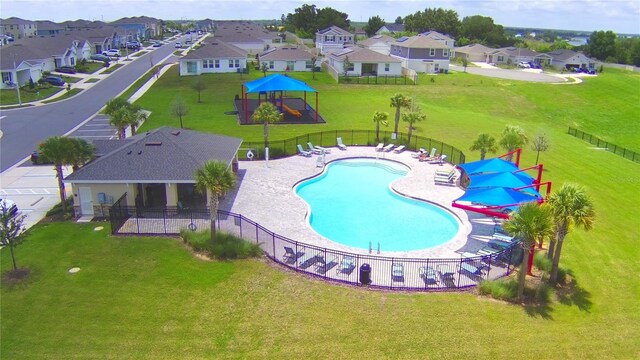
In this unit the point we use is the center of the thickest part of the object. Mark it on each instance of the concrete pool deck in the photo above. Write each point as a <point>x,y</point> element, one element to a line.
<point>265,194</point>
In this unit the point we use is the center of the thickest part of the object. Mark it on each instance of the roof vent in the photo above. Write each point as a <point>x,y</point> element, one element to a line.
<point>153,143</point>
<point>140,152</point>
<point>175,133</point>
<point>129,152</point>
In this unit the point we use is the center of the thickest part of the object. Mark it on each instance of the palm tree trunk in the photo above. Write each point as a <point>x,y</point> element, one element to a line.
<point>63,195</point>
<point>523,273</point>
<point>377,131</point>
<point>133,129</point>
<point>121,133</point>
<point>483,153</point>
<point>13,257</point>
<point>409,134</point>
<point>397,119</point>
<point>552,246</point>
<point>556,262</point>
<point>213,214</point>
<point>266,134</point>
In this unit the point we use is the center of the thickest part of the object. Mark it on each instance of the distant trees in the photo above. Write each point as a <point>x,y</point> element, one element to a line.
<point>398,20</point>
<point>308,19</point>
<point>440,20</point>
<point>513,137</point>
<point>373,25</point>
<point>484,143</point>
<point>481,29</point>
<point>602,44</point>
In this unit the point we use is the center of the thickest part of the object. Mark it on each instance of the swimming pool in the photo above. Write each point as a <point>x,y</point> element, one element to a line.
<point>351,203</point>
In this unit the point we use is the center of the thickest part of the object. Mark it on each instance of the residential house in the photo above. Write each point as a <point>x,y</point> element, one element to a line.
<point>514,55</point>
<point>423,53</point>
<point>391,28</point>
<point>332,39</point>
<point>378,43</point>
<point>566,59</point>
<point>18,28</point>
<point>246,42</point>
<point>360,34</point>
<point>82,24</point>
<point>364,62</point>
<point>206,25</point>
<point>48,28</point>
<point>150,170</point>
<point>214,56</point>
<point>144,27</point>
<point>287,58</point>
<point>473,52</point>
<point>246,35</point>
<point>445,39</point>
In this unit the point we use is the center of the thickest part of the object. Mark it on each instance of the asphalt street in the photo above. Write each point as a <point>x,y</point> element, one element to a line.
<point>23,129</point>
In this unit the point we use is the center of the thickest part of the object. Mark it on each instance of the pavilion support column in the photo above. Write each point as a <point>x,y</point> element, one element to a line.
<point>316,106</point>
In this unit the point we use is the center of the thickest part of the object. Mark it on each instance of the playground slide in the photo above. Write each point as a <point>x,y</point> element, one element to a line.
<point>291,111</point>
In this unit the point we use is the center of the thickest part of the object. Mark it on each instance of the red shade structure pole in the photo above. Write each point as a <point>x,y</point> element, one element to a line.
<point>316,106</point>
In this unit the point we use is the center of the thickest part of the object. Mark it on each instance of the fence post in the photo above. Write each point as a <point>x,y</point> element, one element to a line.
<point>273,240</point>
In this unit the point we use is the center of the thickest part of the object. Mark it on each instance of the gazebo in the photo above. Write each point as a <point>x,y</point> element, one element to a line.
<point>271,89</point>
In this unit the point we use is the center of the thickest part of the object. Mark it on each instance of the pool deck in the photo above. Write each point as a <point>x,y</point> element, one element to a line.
<point>265,195</point>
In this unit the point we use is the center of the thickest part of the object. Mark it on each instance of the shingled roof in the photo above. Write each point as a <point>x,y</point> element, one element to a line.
<point>215,49</point>
<point>163,155</point>
<point>358,54</point>
<point>286,53</point>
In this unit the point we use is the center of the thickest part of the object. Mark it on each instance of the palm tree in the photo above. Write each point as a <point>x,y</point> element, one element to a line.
<point>570,206</point>
<point>399,101</point>
<point>485,143</point>
<point>122,114</point>
<point>513,137</point>
<point>63,151</point>
<point>216,178</point>
<point>529,223</point>
<point>115,104</point>
<point>380,118</point>
<point>412,118</point>
<point>267,114</point>
<point>121,118</point>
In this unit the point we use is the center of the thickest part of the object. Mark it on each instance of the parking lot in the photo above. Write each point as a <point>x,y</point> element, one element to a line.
<point>98,128</point>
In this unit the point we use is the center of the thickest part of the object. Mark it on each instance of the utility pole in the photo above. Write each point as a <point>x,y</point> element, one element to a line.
<point>17,82</point>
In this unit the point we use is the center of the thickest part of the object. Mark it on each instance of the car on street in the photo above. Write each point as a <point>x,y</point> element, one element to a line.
<point>524,65</point>
<point>134,45</point>
<point>111,53</point>
<point>66,69</point>
<point>178,44</point>
<point>100,57</point>
<point>12,208</point>
<point>54,80</point>
<point>157,44</point>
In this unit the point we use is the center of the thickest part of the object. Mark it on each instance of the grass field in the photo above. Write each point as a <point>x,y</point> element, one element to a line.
<point>150,298</point>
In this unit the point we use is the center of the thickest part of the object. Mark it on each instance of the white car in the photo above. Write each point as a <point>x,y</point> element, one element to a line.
<point>178,45</point>
<point>11,207</point>
<point>111,53</point>
<point>524,65</point>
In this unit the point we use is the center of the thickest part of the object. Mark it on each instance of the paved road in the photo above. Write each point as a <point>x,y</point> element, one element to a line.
<point>23,129</point>
<point>511,74</point>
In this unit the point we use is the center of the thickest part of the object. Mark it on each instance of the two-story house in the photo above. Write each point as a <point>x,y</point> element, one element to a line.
<point>48,28</point>
<point>18,28</point>
<point>423,53</point>
<point>333,38</point>
<point>378,43</point>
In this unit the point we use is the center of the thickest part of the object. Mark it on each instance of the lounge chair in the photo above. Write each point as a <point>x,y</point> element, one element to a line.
<point>471,268</point>
<point>446,271</point>
<point>319,162</point>
<point>313,149</point>
<point>439,160</point>
<point>442,173</point>
<point>302,152</point>
<point>388,147</point>
<point>379,147</point>
<point>399,149</point>
<point>416,155</point>
<point>325,264</point>
<point>340,144</point>
<point>442,180</point>
<point>290,257</point>
<point>346,265</point>
<point>307,260</point>
<point>430,156</point>
<point>429,275</point>
<point>319,148</point>
<point>397,272</point>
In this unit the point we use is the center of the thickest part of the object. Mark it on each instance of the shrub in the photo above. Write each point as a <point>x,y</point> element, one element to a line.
<point>57,208</point>
<point>226,246</point>
<point>199,241</point>
<point>542,262</point>
<point>506,289</point>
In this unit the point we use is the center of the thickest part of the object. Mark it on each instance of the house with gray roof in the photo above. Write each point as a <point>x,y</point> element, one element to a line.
<point>567,59</point>
<point>390,28</point>
<point>213,56</point>
<point>333,38</point>
<point>18,28</point>
<point>151,170</point>
<point>364,62</point>
<point>473,52</point>
<point>246,35</point>
<point>48,28</point>
<point>514,55</point>
<point>287,58</point>
<point>378,43</point>
<point>144,27</point>
<point>425,53</point>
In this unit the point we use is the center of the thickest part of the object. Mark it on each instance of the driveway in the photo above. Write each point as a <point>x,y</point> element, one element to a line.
<point>520,75</point>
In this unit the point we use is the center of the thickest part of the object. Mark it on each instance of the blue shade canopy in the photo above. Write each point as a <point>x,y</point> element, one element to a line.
<point>488,166</point>
<point>502,179</point>
<point>277,82</point>
<point>498,196</point>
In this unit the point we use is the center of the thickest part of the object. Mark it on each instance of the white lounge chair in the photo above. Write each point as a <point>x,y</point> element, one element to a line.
<point>319,149</point>
<point>302,152</point>
<point>379,147</point>
<point>340,144</point>
<point>428,157</point>
<point>312,149</point>
<point>416,155</point>
<point>445,180</point>
<point>399,149</point>
<point>440,173</point>
<point>388,147</point>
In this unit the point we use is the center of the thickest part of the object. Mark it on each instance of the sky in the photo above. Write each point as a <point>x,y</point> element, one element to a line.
<point>621,16</point>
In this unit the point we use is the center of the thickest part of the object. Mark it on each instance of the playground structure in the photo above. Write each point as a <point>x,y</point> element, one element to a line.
<point>274,89</point>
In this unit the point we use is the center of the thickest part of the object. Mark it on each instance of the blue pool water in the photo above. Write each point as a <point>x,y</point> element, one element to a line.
<point>351,203</point>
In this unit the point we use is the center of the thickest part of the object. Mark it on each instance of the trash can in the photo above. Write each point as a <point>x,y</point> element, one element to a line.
<point>365,274</point>
<point>34,157</point>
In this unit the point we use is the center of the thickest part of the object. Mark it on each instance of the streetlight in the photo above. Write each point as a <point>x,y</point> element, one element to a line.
<point>17,83</point>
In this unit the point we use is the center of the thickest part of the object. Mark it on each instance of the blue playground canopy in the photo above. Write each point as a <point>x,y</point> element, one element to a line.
<point>494,165</point>
<point>498,196</point>
<point>277,82</point>
<point>502,179</point>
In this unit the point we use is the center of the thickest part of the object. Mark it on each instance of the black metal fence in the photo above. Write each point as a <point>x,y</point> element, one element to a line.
<point>378,79</point>
<point>625,153</point>
<point>334,265</point>
<point>288,147</point>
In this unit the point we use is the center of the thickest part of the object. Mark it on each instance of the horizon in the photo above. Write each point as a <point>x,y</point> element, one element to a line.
<point>620,16</point>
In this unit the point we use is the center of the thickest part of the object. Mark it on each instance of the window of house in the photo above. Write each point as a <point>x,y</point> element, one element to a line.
<point>386,67</point>
<point>309,64</point>
<point>234,63</point>
<point>330,38</point>
<point>207,64</point>
<point>350,68</point>
<point>73,61</point>
<point>6,77</point>
<point>290,65</point>
<point>445,53</point>
<point>500,58</point>
<point>216,64</point>
<point>271,64</point>
<point>192,67</point>
<point>432,52</point>
<point>436,67</point>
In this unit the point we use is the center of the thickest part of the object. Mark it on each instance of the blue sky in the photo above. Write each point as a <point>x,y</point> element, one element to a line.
<point>621,16</point>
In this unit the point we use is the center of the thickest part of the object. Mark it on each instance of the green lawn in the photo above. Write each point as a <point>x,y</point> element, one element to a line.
<point>149,298</point>
<point>10,96</point>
